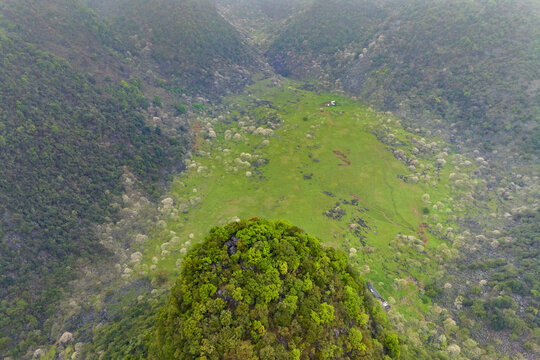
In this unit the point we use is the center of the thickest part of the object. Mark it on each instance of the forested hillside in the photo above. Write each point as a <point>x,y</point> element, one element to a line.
<point>186,43</point>
<point>65,145</point>
<point>405,132</point>
<point>77,90</point>
<point>473,64</point>
<point>67,29</point>
<point>260,20</point>
<point>310,45</point>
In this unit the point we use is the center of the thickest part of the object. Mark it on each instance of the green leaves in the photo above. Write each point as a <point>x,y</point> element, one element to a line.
<point>355,339</point>
<point>65,144</point>
<point>206,290</point>
<point>392,345</point>
<point>255,304</point>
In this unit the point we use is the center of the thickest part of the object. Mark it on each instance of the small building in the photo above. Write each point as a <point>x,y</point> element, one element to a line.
<point>330,103</point>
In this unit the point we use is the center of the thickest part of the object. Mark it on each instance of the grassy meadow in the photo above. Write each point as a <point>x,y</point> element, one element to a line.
<point>353,177</point>
<point>281,153</point>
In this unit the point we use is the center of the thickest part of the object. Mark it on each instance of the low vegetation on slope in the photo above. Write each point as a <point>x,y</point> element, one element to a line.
<point>266,290</point>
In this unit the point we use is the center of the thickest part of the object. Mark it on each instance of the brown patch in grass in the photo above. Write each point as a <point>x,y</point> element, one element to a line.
<point>342,157</point>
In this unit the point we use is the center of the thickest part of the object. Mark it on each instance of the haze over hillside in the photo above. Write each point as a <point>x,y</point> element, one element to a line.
<point>405,133</point>
<point>472,64</point>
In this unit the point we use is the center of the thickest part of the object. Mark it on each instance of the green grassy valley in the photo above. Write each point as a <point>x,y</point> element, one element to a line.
<point>323,169</point>
<point>143,143</point>
<point>346,172</point>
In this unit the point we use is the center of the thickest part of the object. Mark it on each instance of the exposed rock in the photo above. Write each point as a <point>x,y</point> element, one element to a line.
<point>65,338</point>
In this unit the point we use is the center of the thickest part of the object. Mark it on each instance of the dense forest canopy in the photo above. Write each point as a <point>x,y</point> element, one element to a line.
<point>186,43</point>
<point>65,145</point>
<point>267,290</point>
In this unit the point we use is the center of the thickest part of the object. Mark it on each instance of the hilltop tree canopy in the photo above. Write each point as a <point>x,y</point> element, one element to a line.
<point>267,290</point>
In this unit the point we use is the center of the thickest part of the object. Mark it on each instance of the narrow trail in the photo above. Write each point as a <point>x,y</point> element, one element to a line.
<point>391,221</point>
<point>411,227</point>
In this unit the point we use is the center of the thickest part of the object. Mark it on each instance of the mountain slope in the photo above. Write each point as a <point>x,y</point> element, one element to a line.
<point>68,29</point>
<point>474,64</point>
<point>186,42</point>
<point>71,130</point>
<point>308,45</point>
<point>260,20</point>
<point>65,145</point>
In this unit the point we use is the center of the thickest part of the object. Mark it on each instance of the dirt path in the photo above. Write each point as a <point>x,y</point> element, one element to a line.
<point>390,221</point>
<point>422,234</point>
<point>394,205</point>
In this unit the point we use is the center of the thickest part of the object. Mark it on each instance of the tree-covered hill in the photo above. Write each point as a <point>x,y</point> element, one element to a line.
<point>67,29</point>
<point>64,146</point>
<point>267,290</point>
<point>74,121</point>
<point>309,46</point>
<point>260,20</point>
<point>473,64</point>
<point>176,44</point>
<point>185,42</point>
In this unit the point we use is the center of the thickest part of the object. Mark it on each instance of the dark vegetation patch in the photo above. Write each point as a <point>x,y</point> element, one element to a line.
<point>335,213</point>
<point>328,193</point>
